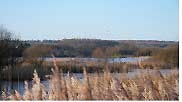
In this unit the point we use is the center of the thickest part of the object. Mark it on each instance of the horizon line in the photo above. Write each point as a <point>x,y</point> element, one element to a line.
<point>99,39</point>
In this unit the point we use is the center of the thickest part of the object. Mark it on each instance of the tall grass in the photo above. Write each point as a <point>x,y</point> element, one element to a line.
<point>145,86</point>
<point>24,71</point>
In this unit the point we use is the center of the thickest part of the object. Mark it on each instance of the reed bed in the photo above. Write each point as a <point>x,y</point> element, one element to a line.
<point>144,86</point>
<point>23,71</point>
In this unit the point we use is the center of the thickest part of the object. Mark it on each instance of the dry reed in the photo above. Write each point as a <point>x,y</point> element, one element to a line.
<point>144,86</point>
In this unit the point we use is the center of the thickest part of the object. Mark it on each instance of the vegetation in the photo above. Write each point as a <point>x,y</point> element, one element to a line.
<point>109,48</point>
<point>24,71</point>
<point>36,54</point>
<point>169,55</point>
<point>145,86</point>
<point>10,50</point>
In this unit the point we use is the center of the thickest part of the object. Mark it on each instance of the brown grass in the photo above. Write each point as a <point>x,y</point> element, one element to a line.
<point>145,86</point>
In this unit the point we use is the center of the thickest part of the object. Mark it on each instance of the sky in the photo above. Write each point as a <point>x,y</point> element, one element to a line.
<point>94,19</point>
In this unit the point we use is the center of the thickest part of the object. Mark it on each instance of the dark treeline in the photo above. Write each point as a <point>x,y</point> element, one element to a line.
<point>104,48</point>
<point>80,47</point>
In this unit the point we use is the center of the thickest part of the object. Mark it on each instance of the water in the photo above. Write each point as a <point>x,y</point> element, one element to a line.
<point>110,60</point>
<point>19,86</point>
<point>128,59</point>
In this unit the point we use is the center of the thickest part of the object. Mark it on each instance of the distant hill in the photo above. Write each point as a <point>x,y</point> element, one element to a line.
<point>97,47</point>
<point>140,43</point>
<point>150,43</point>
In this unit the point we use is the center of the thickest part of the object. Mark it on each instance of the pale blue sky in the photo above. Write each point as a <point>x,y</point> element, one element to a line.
<point>101,19</point>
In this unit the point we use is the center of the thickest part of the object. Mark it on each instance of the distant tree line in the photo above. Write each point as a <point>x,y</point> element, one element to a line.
<point>105,48</point>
